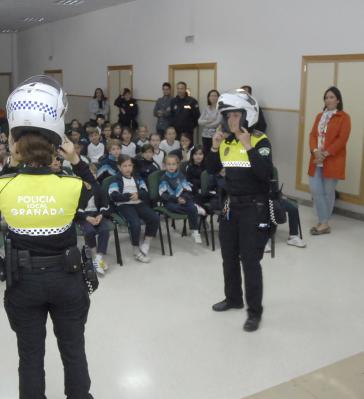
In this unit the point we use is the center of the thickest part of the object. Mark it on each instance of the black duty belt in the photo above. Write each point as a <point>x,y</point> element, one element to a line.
<point>246,199</point>
<point>28,262</point>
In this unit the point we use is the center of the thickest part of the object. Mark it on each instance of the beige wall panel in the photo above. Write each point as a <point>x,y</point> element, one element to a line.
<point>190,76</point>
<point>114,88</point>
<point>207,83</point>
<point>351,84</point>
<point>5,84</point>
<point>320,76</point>
<point>78,108</point>
<point>56,75</point>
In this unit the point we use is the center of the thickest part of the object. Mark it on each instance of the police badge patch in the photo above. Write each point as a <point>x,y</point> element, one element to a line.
<point>227,149</point>
<point>264,151</point>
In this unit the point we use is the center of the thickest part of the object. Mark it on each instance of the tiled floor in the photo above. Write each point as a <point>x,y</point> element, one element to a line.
<point>341,380</point>
<point>151,333</point>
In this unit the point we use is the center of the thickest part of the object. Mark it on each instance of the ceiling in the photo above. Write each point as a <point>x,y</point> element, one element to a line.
<point>13,12</point>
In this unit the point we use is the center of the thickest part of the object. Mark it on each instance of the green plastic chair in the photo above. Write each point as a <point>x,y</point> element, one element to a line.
<point>119,220</point>
<point>153,188</point>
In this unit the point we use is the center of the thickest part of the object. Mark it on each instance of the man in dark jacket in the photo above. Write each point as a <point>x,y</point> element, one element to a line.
<point>162,109</point>
<point>184,111</point>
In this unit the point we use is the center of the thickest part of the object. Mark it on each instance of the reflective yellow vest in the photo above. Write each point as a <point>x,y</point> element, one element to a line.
<point>39,205</point>
<point>234,155</point>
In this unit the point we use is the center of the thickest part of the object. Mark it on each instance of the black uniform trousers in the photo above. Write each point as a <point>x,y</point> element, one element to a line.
<point>242,241</point>
<point>64,296</point>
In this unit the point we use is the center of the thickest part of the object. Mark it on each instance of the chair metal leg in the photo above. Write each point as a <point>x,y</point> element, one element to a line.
<point>173,224</point>
<point>212,231</point>
<point>168,236</point>
<point>299,227</point>
<point>119,259</point>
<point>184,231</point>
<point>161,238</point>
<point>203,219</point>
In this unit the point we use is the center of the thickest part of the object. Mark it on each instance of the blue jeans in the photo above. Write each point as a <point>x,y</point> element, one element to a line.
<point>101,230</point>
<point>188,209</point>
<point>134,213</point>
<point>323,192</point>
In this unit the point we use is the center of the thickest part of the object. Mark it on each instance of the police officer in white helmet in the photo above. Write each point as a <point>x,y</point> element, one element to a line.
<point>244,226</point>
<point>43,267</point>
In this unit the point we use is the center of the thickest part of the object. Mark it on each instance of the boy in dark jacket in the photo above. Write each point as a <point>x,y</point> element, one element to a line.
<point>146,164</point>
<point>108,165</point>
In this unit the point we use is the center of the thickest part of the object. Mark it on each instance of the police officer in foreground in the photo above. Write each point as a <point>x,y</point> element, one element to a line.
<point>244,226</point>
<point>43,265</point>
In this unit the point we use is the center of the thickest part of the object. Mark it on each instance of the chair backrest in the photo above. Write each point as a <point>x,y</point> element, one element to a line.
<point>106,183</point>
<point>153,184</point>
<point>205,182</point>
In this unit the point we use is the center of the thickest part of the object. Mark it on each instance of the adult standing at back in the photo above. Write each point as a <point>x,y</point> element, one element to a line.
<point>162,109</point>
<point>184,111</point>
<point>99,105</point>
<point>261,124</point>
<point>128,108</point>
<point>209,120</point>
<point>328,139</point>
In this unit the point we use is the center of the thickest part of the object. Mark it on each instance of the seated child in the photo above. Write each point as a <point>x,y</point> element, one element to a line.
<point>146,165</point>
<point>93,222</point>
<point>159,154</point>
<point>100,121</point>
<point>116,131</point>
<point>176,194</point>
<point>184,153</point>
<point>127,147</point>
<point>170,143</point>
<point>142,137</point>
<point>108,165</point>
<point>128,194</point>
<point>95,150</point>
<point>106,133</point>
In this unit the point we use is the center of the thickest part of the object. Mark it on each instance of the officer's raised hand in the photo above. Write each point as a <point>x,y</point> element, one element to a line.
<point>67,151</point>
<point>217,138</point>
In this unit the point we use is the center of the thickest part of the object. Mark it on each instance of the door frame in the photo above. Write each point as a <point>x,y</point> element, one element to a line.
<point>335,59</point>
<point>119,68</point>
<point>207,65</point>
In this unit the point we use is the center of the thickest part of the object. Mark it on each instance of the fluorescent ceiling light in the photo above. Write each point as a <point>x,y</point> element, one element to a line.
<point>33,19</point>
<point>8,30</point>
<point>69,2</point>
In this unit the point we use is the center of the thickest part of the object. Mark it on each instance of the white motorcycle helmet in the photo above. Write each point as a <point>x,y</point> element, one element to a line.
<point>38,104</point>
<point>239,100</point>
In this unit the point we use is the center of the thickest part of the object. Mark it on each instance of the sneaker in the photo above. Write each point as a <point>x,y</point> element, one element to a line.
<point>100,262</point>
<point>98,268</point>
<point>296,241</point>
<point>142,258</point>
<point>268,247</point>
<point>201,211</point>
<point>197,237</point>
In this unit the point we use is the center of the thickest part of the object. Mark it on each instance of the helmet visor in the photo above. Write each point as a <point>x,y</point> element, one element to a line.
<point>47,80</point>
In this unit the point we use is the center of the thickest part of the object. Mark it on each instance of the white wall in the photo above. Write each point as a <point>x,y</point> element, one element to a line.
<point>5,52</point>
<point>260,42</point>
<point>256,42</point>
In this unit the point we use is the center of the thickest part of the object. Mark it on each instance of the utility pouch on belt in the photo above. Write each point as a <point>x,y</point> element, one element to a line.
<point>88,270</point>
<point>72,260</point>
<point>262,214</point>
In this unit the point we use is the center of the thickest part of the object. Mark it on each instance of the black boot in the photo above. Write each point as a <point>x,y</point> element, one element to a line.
<point>225,305</point>
<point>252,323</point>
